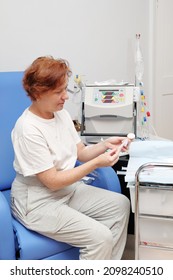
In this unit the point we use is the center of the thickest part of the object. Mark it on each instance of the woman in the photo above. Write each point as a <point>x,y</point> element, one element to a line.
<point>48,195</point>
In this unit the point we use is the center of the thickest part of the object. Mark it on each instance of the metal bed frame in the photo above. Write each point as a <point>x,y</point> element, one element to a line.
<point>147,185</point>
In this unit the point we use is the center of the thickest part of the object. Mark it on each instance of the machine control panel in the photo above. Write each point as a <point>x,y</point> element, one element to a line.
<point>108,101</point>
<point>109,96</point>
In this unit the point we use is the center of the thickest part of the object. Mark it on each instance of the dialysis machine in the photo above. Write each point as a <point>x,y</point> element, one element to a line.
<point>108,110</point>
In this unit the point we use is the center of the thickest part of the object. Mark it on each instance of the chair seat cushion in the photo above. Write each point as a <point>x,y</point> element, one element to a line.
<point>33,246</point>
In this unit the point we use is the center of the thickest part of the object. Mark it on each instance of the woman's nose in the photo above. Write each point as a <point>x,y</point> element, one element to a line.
<point>65,94</point>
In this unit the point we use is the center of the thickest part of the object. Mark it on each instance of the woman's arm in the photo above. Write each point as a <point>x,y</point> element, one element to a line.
<point>55,180</point>
<point>86,153</point>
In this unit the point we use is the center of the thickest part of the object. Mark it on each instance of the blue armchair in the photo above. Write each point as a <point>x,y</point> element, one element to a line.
<point>16,241</point>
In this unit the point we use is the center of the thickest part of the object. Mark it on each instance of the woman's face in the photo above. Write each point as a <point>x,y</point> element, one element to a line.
<point>53,100</point>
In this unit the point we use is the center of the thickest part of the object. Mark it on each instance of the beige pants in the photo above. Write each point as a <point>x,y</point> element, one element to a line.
<point>93,219</point>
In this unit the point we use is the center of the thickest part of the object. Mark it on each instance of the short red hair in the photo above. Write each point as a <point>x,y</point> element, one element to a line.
<point>45,73</point>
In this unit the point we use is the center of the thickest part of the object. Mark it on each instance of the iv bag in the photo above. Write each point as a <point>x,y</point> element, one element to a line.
<point>139,64</point>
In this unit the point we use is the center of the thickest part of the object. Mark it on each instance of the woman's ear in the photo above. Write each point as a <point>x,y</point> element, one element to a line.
<point>36,97</point>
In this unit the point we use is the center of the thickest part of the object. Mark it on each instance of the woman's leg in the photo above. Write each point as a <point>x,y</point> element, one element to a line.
<point>70,226</point>
<point>93,219</point>
<point>108,208</point>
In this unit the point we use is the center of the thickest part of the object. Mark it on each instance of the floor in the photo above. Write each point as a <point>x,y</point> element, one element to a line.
<point>129,252</point>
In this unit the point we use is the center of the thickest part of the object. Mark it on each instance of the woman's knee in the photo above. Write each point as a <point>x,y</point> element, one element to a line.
<point>124,204</point>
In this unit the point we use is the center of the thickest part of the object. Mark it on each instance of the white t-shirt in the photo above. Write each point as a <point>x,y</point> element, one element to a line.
<point>40,144</point>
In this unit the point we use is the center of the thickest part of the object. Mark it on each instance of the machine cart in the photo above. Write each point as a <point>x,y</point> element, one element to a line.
<point>154,215</point>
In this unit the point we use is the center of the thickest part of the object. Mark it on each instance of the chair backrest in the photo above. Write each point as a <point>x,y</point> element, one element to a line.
<point>13,101</point>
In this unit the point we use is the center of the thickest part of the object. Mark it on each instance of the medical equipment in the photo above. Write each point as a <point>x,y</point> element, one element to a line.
<point>143,112</point>
<point>109,110</point>
<point>130,137</point>
<point>149,175</point>
<point>153,221</point>
<point>139,63</point>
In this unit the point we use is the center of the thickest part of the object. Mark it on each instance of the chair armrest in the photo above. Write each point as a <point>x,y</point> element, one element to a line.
<point>105,178</point>
<point>7,245</point>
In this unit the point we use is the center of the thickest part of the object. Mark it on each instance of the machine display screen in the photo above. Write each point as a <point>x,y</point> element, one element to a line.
<point>108,96</point>
<point>116,96</point>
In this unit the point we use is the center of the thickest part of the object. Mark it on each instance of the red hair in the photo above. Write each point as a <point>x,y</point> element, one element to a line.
<point>45,73</point>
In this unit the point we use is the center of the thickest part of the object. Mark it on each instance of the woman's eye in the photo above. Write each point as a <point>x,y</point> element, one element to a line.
<point>59,92</point>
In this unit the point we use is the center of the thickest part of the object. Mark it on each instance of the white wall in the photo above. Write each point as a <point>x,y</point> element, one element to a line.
<point>96,36</point>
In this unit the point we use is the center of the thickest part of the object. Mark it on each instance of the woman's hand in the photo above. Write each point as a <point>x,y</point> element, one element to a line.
<point>86,153</point>
<point>109,158</point>
<point>117,142</point>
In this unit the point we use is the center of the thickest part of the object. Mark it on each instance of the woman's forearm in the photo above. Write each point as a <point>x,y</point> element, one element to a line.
<point>91,151</point>
<point>55,180</point>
